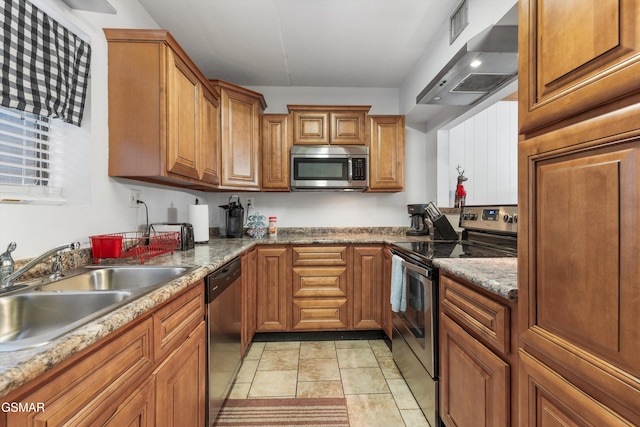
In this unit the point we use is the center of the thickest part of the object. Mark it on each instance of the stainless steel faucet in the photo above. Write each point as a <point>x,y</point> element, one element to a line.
<point>8,276</point>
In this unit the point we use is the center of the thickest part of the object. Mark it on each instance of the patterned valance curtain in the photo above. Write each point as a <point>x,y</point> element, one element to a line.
<point>44,66</point>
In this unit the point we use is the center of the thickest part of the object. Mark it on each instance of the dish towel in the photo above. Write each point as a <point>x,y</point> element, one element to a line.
<point>398,285</point>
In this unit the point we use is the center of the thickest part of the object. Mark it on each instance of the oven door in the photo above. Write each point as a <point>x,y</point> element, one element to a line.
<point>417,324</point>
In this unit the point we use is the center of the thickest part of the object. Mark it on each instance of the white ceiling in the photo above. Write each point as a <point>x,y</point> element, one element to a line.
<point>328,43</point>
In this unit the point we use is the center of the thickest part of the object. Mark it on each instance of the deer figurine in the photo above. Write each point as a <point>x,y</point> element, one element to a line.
<point>461,194</point>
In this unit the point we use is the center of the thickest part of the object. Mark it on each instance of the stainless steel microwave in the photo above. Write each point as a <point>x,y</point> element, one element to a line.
<point>329,168</point>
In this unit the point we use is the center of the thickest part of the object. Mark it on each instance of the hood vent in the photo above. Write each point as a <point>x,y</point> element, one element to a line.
<point>465,82</point>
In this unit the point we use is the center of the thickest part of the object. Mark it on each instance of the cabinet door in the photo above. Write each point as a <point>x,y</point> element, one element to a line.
<point>575,55</point>
<point>138,410</point>
<point>276,137</point>
<point>240,143</point>
<point>273,301</point>
<point>248,298</point>
<point>92,389</point>
<point>180,383</point>
<point>548,399</point>
<point>183,114</point>
<point>387,154</point>
<point>474,382</point>
<point>578,280</point>
<point>348,128</point>
<point>310,127</point>
<point>366,289</point>
<point>210,141</point>
<point>387,326</point>
<point>174,321</point>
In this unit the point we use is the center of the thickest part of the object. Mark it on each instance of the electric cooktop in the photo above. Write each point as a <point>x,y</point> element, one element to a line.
<point>430,250</point>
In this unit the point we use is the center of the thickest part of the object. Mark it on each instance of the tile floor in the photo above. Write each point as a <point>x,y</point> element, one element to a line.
<point>362,371</point>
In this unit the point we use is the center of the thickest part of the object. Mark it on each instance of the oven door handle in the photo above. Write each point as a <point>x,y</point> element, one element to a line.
<point>428,273</point>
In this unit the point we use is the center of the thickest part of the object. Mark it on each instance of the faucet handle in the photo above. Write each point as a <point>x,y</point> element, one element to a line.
<point>6,255</point>
<point>6,261</point>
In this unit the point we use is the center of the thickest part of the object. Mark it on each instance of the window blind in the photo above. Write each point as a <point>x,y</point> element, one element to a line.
<point>25,158</point>
<point>29,163</point>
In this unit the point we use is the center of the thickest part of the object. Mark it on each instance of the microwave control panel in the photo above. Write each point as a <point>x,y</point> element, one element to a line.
<point>359,169</point>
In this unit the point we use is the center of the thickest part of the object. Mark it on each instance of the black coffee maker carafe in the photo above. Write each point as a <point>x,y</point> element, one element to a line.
<point>234,217</point>
<point>418,215</point>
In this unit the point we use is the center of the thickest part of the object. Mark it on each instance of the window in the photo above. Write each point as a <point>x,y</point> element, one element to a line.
<point>28,158</point>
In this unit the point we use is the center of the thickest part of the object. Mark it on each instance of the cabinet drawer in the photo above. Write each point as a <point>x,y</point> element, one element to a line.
<point>174,322</point>
<point>487,318</point>
<point>319,255</point>
<point>319,282</point>
<point>90,392</point>
<point>319,314</point>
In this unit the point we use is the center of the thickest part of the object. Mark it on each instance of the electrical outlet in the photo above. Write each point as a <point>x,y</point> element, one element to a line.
<point>250,203</point>
<point>134,196</point>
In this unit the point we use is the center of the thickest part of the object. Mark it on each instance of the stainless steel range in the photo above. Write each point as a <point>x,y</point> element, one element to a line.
<point>488,232</point>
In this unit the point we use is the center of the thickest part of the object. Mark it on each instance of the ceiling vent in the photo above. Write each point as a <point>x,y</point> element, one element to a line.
<point>484,64</point>
<point>458,21</point>
<point>99,6</point>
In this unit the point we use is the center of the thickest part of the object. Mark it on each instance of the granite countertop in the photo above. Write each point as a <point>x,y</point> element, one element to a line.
<point>497,275</point>
<point>19,367</point>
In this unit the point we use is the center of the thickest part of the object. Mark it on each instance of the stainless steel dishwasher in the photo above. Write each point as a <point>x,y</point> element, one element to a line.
<point>223,297</point>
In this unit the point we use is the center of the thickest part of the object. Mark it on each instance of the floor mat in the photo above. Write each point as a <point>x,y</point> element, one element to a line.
<point>284,412</point>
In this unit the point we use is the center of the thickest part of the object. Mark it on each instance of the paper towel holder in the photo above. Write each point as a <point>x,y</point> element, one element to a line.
<point>199,219</point>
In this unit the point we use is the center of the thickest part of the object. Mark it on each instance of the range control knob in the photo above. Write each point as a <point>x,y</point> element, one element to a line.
<point>473,216</point>
<point>508,218</point>
<point>515,218</point>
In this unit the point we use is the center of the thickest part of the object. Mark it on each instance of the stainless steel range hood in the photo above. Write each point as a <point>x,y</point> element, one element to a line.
<point>464,82</point>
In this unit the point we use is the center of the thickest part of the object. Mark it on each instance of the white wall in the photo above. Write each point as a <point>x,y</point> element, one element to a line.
<point>486,147</point>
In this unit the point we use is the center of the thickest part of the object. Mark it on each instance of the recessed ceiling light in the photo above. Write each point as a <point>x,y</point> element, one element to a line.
<point>476,63</point>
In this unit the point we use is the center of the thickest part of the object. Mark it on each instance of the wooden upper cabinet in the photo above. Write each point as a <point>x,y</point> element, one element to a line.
<point>210,142</point>
<point>329,124</point>
<point>159,104</point>
<point>387,154</point>
<point>183,118</point>
<point>240,114</point>
<point>575,55</point>
<point>276,143</point>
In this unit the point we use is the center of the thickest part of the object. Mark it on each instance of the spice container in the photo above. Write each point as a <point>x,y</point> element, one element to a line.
<point>273,226</point>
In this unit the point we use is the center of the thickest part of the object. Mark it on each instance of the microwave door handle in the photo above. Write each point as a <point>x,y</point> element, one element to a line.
<point>350,170</point>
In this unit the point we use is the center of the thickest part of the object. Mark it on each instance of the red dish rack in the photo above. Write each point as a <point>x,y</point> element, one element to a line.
<point>133,244</point>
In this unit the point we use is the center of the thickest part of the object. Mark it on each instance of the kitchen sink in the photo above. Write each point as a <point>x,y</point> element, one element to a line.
<point>47,309</point>
<point>116,278</point>
<point>30,318</point>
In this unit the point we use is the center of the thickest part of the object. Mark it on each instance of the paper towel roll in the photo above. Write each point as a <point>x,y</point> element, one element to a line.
<point>199,218</point>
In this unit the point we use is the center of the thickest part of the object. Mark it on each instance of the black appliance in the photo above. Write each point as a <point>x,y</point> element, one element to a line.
<point>488,232</point>
<point>234,217</point>
<point>418,217</point>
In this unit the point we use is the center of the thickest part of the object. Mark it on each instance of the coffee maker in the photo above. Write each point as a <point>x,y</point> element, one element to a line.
<point>234,219</point>
<point>418,216</point>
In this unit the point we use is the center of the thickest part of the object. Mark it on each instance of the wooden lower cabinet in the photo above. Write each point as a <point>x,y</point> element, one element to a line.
<point>180,383</point>
<point>138,410</point>
<point>474,382</point>
<point>120,381</point>
<point>320,283</point>
<point>551,400</point>
<point>319,288</point>
<point>367,287</point>
<point>477,356</point>
<point>273,281</point>
<point>248,261</point>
